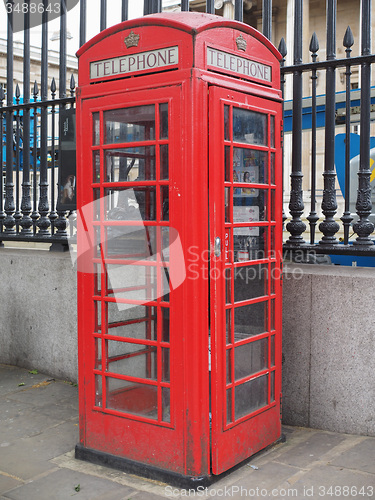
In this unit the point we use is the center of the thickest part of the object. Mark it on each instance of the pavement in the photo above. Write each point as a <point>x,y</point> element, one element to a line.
<point>39,430</point>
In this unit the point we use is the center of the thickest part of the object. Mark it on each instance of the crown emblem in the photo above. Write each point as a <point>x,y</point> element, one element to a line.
<point>241,43</point>
<point>132,40</point>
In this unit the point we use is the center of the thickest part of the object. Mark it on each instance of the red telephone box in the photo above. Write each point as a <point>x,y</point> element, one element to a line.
<point>179,211</point>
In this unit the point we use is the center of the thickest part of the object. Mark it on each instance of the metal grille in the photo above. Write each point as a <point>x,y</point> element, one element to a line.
<point>30,210</point>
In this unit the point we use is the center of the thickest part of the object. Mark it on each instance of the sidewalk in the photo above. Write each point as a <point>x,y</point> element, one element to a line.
<point>39,429</point>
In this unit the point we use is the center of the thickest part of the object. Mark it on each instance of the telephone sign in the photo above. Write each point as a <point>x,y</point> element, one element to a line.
<point>179,246</point>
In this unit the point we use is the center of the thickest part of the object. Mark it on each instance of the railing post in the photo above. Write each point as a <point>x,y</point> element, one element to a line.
<point>296,226</point>
<point>53,214</point>
<point>329,226</point>
<point>9,207</point>
<point>347,218</point>
<point>43,205</point>
<point>26,207</point>
<point>82,22</point>
<point>2,214</point>
<point>210,7</point>
<point>363,206</point>
<point>17,214</point>
<point>283,51</point>
<point>61,222</point>
<point>238,10</point>
<point>124,10</point>
<point>267,18</point>
<point>313,216</point>
<point>103,14</point>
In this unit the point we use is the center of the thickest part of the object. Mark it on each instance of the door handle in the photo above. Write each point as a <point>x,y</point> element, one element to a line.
<point>217,247</point>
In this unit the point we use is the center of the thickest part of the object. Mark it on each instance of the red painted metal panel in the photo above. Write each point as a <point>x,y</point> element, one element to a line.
<point>236,437</point>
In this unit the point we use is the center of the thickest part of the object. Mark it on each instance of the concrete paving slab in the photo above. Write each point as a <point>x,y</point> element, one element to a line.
<point>67,484</point>
<point>12,376</point>
<point>27,424</point>
<point>62,410</point>
<point>28,457</point>
<point>45,392</point>
<point>8,483</point>
<point>268,476</point>
<point>334,482</point>
<point>360,457</point>
<point>22,461</point>
<point>44,463</point>
<point>311,449</point>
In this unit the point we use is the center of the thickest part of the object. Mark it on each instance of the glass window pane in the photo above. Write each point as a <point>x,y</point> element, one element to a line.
<point>96,203</point>
<point>135,204</point>
<point>98,315</point>
<point>137,322</point>
<point>129,397</point>
<point>273,314</point>
<point>164,192</point>
<point>249,166</point>
<point>129,124</point>
<point>250,358</point>
<point>272,395</point>
<point>130,164</point>
<point>272,131</point>
<point>250,282</point>
<point>227,165</point>
<point>250,207</point>
<point>251,396</point>
<point>249,127</point>
<point>226,123</point>
<point>228,314</point>
<point>163,110</point>
<point>98,391</point>
<point>130,242</point>
<point>165,324</point>
<point>97,279</point>
<point>131,282</point>
<point>166,233</point>
<point>98,353</point>
<point>164,162</point>
<point>95,129</point>
<point>250,243</point>
<point>229,406</point>
<point>250,320</point>
<point>229,366</point>
<point>165,376</point>
<point>228,283</point>
<point>272,168</point>
<point>272,350</point>
<point>166,402</point>
<point>273,205</point>
<point>96,166</point>
<point>227,205</point>
<point>97,242</point>
<point>132,360</point>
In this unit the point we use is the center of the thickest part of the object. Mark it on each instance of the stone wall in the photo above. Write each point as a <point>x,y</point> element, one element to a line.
<point>329,348</point>
<point>328,334</point>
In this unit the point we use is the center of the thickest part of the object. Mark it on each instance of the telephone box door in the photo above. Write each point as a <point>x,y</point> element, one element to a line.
<point>131,392</point>
<point>245,238</point>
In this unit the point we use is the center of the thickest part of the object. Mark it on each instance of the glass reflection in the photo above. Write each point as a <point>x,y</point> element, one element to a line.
<point>129,124</point>
<point>130,164</point>
<point>250,320</point>
<point>249,127</point>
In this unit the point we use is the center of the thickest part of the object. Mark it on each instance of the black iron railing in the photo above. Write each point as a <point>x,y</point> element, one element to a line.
<point>329,226</point>
<point>29,208</point>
